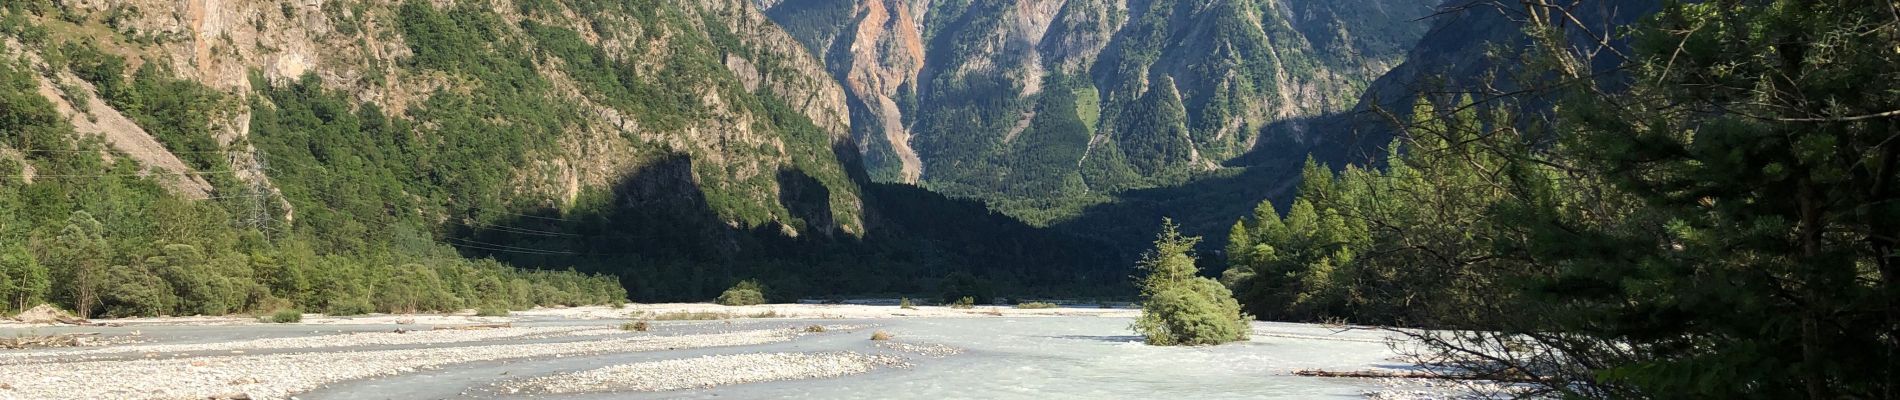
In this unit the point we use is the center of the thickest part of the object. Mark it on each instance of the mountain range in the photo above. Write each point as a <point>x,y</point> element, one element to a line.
<point>823,146</point>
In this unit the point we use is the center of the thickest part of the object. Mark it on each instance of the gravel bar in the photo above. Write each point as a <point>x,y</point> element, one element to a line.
<point>704,372</point>
<point>275,376</point>
<point>443,336</point>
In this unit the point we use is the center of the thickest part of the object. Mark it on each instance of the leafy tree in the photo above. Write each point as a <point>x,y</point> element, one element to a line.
<point>128,291</point>
<point>30,123</point>
<point>79,255</point>
<point>23,280</point>
<point>415,288</point>
<point>203,290</point>
<point>1179,307</point>
<point>745,293</point>
<point>10,292</point>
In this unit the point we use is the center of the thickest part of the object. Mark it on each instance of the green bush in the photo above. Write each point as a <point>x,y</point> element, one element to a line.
<point>286,316</point>
<point>1036,305</point>
<point>905,303</point>
<point>966,302</point>
<point>747,292</point>
<point>1179,307</point>
<point>491,311</point>
<point>350,307</point>
<point>1193,313</point>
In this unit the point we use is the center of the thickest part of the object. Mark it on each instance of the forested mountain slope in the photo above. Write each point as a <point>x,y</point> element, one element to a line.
<point>321,151</point>
<point>1472,49</point>
<point>1041,107</point>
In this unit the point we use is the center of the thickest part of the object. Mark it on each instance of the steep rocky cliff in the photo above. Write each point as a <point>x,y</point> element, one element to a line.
<point>1032,104</point>
<point>719,60</point>
<point>679,144</point>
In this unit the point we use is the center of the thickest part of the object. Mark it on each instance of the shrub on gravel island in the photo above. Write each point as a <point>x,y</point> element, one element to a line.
<point>350,307</point>
<point>286,316</point>
<point>966,302</point>
<point>905,303</point>
<point>1179,307</point>
<point>747,292</point>
<point>1035,305</point>
<point>491,311</point>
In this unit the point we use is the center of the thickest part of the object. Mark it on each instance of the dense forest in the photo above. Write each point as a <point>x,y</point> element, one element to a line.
<point>1708,218</point>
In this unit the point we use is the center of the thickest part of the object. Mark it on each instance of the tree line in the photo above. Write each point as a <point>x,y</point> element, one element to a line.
<point>1712,218</point>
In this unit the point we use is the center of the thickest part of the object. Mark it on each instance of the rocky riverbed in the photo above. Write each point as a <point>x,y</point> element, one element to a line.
<point>796,351</point>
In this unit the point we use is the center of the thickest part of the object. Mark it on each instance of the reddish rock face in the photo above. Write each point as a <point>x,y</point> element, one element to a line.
<point>943,93</point>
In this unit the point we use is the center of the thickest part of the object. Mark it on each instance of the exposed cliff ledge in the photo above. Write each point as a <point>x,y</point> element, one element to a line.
<point>361,48</point>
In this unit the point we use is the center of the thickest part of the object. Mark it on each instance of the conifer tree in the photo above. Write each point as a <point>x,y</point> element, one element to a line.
<point>1758,139</point>
<point>1179,307</point>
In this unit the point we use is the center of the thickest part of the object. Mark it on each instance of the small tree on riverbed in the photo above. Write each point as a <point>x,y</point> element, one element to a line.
<point>1179,307</point>
<point>747,292</point>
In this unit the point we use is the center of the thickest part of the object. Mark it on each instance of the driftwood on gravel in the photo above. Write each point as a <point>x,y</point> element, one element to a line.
<point>60,340</point>
<point>473,327</point>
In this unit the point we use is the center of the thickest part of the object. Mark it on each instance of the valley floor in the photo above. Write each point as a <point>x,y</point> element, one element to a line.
<point>768,351</point>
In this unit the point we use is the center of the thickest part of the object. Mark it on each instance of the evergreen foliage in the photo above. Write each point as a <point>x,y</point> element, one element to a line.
<point>1713,224</point>
<point>745,293</point>
<point>1349,244</point>
<point>1180,307</point>
<point>1757,249</point>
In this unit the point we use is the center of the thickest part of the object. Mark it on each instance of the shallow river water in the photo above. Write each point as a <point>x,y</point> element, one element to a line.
<point>1061,354</point>
<point>1003,358</point>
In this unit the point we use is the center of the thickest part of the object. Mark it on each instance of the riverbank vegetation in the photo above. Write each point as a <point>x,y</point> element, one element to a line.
<point>1713,218</point>
<point>1180,307</point>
